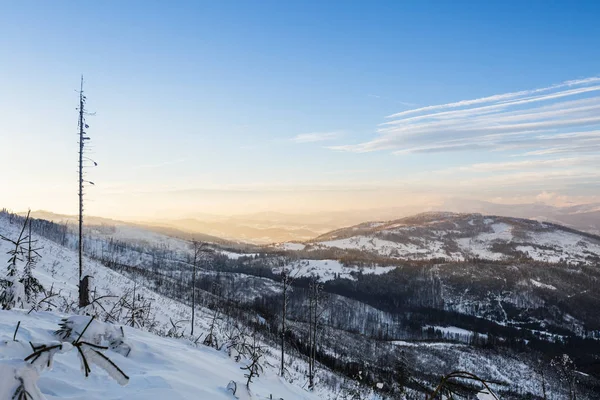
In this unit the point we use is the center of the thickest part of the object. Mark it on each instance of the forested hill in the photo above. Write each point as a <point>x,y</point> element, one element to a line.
<point>459,237</point>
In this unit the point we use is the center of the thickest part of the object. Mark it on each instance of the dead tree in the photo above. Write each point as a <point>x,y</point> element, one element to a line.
<point>211,337</point>
<point>137,308</point>
<point>314,301</point>
<point>198,249</point>
<point>84,281</point>
<point>567,373</point>
<point>254,367</point>
<point>449,384</point>
<point>286,281</point>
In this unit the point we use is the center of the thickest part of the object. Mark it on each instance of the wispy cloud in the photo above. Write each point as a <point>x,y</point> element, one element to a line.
<point>316,137</point>
<point>562,118</point>
<point>498,98</point>
<point>525,165</point>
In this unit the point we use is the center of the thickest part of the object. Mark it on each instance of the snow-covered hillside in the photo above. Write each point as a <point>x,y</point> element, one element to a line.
<point>161,269</point>
<point>462,236</point>
<point>158,368</point>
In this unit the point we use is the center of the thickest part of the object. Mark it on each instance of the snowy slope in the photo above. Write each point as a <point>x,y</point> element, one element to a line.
<point>462,236</point>
<point>158,368</point>
<point>59,265</point>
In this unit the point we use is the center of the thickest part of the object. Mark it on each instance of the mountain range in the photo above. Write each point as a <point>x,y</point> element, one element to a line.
<point>270,227</point>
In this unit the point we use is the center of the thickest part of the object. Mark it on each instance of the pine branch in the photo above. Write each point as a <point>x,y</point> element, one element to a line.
<point>84,329</point>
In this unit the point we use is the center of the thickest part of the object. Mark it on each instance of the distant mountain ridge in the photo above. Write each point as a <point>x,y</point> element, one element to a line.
<point>264,228</point>
<point>463,236</point>
<point>583,217</point>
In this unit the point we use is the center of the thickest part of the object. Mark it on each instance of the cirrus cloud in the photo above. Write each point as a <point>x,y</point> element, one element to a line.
<point>559,118</point>
<point>316,137</point>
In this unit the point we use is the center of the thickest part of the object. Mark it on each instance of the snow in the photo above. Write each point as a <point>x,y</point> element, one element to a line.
<point>291,246</point>
<point>479,245</point>
<point>58,267</point>
<point>485,395</point>
<point>159,368</point>
<point>541,285</point>
<point>404,343</point>
<point>453,330</point>
<point>328,270</point>
<point>555,246</point>
<point>360,242</point>
<point>425,250</point>
<point>139,236</point>
<point>458,238</point>
<point>235,256</point>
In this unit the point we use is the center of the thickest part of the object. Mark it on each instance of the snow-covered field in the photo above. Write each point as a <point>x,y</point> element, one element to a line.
<point>327,270</point>
<point>158,368</point>
<point>453,331</point>
<point>428,250</point>
<point>290,246</point>
<point>235,256</point>
<point>542,285</point>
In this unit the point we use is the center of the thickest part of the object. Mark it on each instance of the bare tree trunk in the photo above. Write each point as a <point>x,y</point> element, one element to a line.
<point>544,384</point>
<point>314,333</point>
<point>84,282</point>
<point>285,280</point>
<point>310,336</point>
<point>133,310</point>
<point>196,248</point>
<point>314,316</point>
<point>29,247</point>
<point>83,296</point>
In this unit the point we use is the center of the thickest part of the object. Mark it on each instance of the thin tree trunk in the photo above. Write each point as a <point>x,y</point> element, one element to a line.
<point>133,306</point>
<point>194,287</point>
<point>310,337</point>
<point>314,341</point>
<point>283,318</point>
<point>84,295</point>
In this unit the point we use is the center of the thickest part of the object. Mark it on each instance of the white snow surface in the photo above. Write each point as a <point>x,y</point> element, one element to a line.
<point>328,270</point>
<point>235,256</point>
<point>429,250</point>
<point>290,246</point>
<point>453,330</point>
<point>457,237</point>
<point>542,285</point>
<point>158,368</point>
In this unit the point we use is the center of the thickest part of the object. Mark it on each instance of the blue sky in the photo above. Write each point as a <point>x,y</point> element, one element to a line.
<point>246,106</point>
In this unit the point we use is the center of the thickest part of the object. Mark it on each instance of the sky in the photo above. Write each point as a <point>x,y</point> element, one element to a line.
<point>232,107</point>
